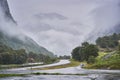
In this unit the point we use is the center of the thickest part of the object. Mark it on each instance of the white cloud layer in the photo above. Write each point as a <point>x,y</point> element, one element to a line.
<point>61,25</point>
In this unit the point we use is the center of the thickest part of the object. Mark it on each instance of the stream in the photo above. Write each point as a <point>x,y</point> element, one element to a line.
<point>89,74</point>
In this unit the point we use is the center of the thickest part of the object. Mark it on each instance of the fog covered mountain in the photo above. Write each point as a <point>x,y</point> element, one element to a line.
<point>5,9</point>
<point>11,36</point>
<point>106,19</point>
<point>61,25</point>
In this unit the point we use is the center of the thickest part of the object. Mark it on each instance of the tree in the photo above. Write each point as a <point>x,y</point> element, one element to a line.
<point>108,41</point>
<point>76,53</point>
<point>83,52</point>
<point>85,44</point>
<point>10,56</point>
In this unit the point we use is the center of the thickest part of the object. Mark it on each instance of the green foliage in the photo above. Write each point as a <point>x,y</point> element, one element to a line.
<point>10,56</point>
<point>24,42</point>
<point>11,75</point>
<point>76,53</point>
<point>64,57</point>
<point>108,41</point>
<point>40,58</point>
<point>108,60</point>
<point>91,59</point>
<point>111,63</point>
<point>83,52</point>
<point>119,49</point>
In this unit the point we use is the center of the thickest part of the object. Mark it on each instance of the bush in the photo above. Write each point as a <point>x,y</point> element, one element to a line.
<point>91,59</point>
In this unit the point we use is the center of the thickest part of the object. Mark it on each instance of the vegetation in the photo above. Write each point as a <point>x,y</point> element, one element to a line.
<point>11,75</point>
<point>64,57</point>
<point>33,57</point>
<point>25,42</point>
<point>10,56</point>
<point>85,52</point>
<point>113,62</point>
<point>105,60</point>
<point>108,41</point>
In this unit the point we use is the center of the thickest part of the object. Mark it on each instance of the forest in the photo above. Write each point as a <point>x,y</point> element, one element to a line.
<point>10,56</point>
<point>96,57</point>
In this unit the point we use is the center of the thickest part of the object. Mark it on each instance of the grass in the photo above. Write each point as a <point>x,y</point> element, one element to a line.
<point>11,75</point>
<point>101,54</point>
<point>73,63</point>
<point>111,63</point>
<point>38,73</point>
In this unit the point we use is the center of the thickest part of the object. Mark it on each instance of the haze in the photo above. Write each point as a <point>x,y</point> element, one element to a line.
<point>61,25</point>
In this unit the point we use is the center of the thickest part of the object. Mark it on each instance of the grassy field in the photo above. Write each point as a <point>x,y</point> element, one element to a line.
<point>111,63</point>
<point>101,54</point>
<point>11,75</point>
<point>71,64</point>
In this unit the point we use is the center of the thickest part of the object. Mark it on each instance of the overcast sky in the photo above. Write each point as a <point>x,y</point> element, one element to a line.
<point>61,25</point>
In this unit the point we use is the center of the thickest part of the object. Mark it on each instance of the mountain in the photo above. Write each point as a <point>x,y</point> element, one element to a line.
<point>18,41</point>
<point>106,19</point>
<point>6,11</point>
<point>95,33</point>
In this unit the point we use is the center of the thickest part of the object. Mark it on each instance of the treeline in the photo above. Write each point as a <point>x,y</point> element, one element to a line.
<point>89,52</point>
<point>10,56</point>
<point>33,57</point>
<point>108,41</point>
<point>86,52</point>
<point>64,57</point>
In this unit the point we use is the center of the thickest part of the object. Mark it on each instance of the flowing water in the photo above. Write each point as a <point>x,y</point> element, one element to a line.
<point>65,77</point>
<point>88,74</point>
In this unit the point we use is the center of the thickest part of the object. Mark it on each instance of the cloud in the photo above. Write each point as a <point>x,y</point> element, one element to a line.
<point>50,16</point>
<point>61,25</point>
<point>58,41</point>
<point>7,26</point>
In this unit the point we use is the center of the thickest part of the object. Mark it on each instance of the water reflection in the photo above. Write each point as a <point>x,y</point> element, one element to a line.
<point>66,77</point>
<point>92,74</point>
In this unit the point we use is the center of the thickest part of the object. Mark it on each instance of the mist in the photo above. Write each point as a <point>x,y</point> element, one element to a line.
<point>62,25</point>
<point>7,26</point>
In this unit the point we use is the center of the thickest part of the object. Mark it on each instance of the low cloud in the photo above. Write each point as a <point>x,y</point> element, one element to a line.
<point>62,25</point>
<point>50,16</point>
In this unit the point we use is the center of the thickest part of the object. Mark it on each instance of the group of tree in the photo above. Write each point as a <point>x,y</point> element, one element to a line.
<point>85,52</point>
<point>108,41</point>
<point>10,56</point>
<point>88,52</point>
<point>64,57</point>
<point>40,58</point>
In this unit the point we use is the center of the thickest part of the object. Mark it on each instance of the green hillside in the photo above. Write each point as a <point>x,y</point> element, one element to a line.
<point>108,56</point>
<point>26,43</point>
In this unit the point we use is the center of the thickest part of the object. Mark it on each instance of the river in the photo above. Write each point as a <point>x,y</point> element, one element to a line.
<point>92,74</point>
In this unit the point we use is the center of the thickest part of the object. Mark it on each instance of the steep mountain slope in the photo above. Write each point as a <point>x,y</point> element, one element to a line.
<point>16,42</point>
<point>102,32</point>
<point>6,11</point>
<point>27,43</point>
